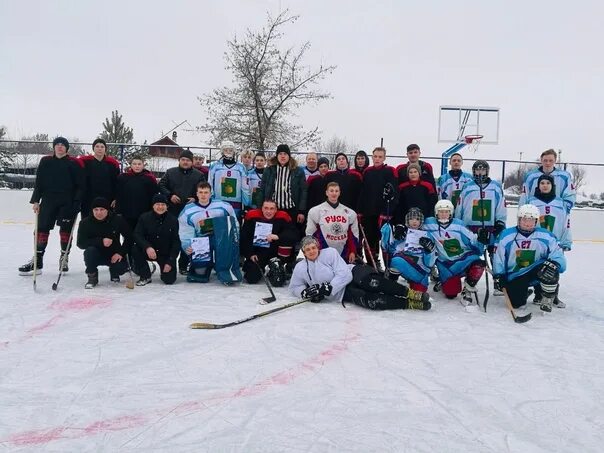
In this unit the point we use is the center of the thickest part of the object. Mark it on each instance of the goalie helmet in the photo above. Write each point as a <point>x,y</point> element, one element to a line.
<point>444,205</point>
<point>227,148</point>
<point>480,165</point>
<point>414,213</point>
<point>528,211</point>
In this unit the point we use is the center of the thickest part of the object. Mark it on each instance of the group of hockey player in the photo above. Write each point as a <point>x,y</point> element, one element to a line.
<point>255,215</point>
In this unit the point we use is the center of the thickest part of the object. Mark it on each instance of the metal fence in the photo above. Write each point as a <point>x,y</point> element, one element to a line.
<point>19,164</point>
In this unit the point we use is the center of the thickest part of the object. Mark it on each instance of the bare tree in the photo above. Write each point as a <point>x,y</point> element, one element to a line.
<point>270,85</point>
<point>579,176</point>
<point>516,178</point>
<point>336,145</point>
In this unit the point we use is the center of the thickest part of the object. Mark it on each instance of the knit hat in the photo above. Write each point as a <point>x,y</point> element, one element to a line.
<point>159,198</point>
<point>551,194</point>
<point>307,240</point>
<point>416,166</point>
<point>186,154</point>
<point>323,160</point>
<point>100,202</point>
<point>99,140</point>
<point>342,154</point>
<point>283,149</point>
<point>61,140</point>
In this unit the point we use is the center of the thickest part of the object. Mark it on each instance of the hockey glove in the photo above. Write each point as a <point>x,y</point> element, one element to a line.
<point>399,232</point>
<point>325,289</point>
<point>484,236</point>
<point>548,272</point>
<point>312,293</point>
<point>388,192</point>
<point>427,244</point>
<point>499,227</point>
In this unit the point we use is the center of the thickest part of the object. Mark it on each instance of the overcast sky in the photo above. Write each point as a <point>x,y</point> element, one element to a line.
<point>65,65</point>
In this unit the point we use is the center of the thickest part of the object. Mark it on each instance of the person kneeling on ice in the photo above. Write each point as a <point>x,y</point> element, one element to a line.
<point>458,253</point>
<point>99,237</point>
<point>268,237</point>
<point>324,275</point>
<point>209,234</point>
<point>527,255</point>
<point>411,250</point>
<point>156,239</point>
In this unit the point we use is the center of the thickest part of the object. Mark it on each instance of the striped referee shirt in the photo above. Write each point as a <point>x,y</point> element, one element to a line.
<point>283,192</point>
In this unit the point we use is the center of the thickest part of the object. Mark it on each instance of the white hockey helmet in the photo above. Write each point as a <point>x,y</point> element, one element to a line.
<point>528,211</point>
<point>444,205</point>
<point>227,148</point>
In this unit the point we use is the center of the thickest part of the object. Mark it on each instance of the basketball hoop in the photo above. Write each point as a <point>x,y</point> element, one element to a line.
<point>472,141</point>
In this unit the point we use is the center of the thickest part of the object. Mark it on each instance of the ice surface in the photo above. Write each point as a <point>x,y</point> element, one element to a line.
<point>113,369</point>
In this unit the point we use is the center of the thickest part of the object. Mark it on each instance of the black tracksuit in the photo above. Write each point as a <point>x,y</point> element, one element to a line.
<point>59,185</point>
<point>91,233</point>
<point>371,203</point>
<point>160,232</point>
<point>419,194</point>
<point>134,194</point>
<point>100,180</point>
<point>283,227</point>
<point>316,191</point>
<point>351,184</point>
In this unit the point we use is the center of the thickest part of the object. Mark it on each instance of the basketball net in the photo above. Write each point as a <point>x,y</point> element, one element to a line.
<point>472,142</point>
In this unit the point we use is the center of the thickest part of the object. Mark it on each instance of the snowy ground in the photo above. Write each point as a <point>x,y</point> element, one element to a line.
<point>114,369</point>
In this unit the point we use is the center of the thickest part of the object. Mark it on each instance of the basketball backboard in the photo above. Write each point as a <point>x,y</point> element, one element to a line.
<point>457,121</point>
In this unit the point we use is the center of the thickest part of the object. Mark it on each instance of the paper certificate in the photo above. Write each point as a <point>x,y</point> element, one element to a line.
<point>201,249</point>
<point>261,233</point>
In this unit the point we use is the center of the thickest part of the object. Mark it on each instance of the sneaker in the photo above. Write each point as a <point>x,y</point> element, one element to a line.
<point>183,271</point>
<point>64,262</point>
<point>418,300</point>
<point>497,289</point>
<point>28,268</point>
<point>437,286</point>
<point>115,279</point>
<point>558,303</point>
<point>468,294</point>
<point>537,300</point>
<point>143,281</point>
<point>93,280</point>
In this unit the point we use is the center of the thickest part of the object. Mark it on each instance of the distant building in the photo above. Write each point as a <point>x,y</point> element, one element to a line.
<point>165,147</point>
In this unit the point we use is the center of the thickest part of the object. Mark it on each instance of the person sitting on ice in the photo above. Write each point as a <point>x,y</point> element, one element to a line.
<point>209,231</point>
<point>324,275</point>
<point>527,255</point>
<point>554,217</point>
<point>156,239</point>
<point>99,237</point>
<point>411,250</point>
<point>267,239</point>
<point>335,225</point>
<point>458,253</point>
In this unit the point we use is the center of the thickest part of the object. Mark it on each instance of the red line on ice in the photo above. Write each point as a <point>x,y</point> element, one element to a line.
<point>124,422</point>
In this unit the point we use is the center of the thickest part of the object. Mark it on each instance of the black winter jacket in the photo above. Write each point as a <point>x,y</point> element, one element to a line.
<point>159,232</point>
<point>134,193</point>
<point>282,227</point>
<point>183,184</point>
<point>60,180</point>
<point>91,233</point>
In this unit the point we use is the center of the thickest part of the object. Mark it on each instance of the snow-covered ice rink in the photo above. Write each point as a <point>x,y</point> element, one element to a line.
<point>113,369</point>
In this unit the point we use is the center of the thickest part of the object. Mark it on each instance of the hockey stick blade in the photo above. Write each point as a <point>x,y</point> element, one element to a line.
<point>272,297</point>
<point>517,319</point>
<point>208,325</point>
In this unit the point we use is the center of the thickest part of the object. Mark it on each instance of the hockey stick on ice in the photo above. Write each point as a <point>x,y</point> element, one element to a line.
<point>486,274</point>
<point>55,285</point>
<point>272,297</point>
<point>208,325</point>
<point>35,249</point>
<point>517,319</point>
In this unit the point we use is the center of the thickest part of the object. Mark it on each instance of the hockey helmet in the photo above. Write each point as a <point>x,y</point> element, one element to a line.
<point>414,213</point>
<point>444,205</point>
<point>480,165</point>
<point>227,148</point>
<point>528,211</point>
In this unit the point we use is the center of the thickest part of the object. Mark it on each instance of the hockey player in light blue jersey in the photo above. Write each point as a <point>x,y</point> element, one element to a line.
<point>411,250</point>
<point>527,255</point>
<point>554,218</point>
<point>227,178</point>
<point>253,180</point>
<point>449,185</point>
<point>209,233</point>
<point>481,205</point>
<point>565,188</point>
<point>458,253</point>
